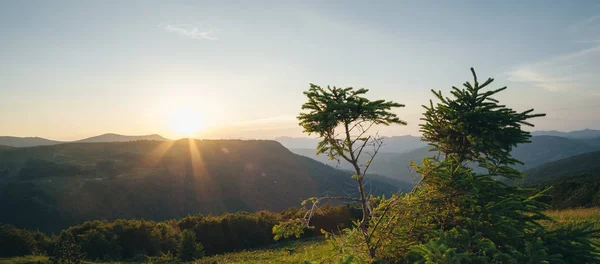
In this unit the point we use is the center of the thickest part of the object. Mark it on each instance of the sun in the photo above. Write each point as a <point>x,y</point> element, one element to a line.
<point>187,123</point>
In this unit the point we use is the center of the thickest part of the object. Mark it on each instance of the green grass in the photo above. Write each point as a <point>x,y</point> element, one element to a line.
<point>577,217</point>
<point>315,251</point>
<point>25,260</point>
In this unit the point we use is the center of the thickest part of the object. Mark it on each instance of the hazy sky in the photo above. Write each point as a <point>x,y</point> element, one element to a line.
<point>75,69</point>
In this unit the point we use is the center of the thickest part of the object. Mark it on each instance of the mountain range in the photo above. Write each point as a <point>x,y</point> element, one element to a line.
<point>577,134</point>
<point>21,142</point>
<point>68,183</point>
<point>542,149</point>
<point>114,176</point>
<point>395,144</point>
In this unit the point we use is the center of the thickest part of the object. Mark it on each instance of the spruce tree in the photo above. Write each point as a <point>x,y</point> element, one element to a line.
<point>477,217</point>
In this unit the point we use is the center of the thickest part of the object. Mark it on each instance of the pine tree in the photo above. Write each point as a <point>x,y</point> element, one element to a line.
<point>478,216</point>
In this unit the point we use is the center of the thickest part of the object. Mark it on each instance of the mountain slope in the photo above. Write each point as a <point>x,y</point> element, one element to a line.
<point>393,165</point>
<point>69,183</point>
<point>543,149</point>
<point>583,164</point>
<point>110,137</point>
<point>20,142</point>
<point>573,182</point>
<point>394,144</point>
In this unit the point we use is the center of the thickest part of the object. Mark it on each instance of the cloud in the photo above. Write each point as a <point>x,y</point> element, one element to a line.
<point>576,70</point>
<point>191,32</point>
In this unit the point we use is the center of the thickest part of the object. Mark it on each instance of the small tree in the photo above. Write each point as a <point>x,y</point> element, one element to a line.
<point>67,251</point>
<point>188,248</point>
<point>343,118</point>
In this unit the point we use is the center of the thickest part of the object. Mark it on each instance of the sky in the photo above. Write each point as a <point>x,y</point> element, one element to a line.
<point>237,69</point>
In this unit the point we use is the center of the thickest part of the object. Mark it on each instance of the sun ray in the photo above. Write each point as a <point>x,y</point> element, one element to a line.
<point>156,155</point>
<point>202,179</point>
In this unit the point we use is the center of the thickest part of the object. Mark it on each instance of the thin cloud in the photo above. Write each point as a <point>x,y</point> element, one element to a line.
<point>575,70</point>
<point>191,32</point>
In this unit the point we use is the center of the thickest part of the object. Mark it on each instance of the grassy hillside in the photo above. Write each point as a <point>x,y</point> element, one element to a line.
<point>68,183</point>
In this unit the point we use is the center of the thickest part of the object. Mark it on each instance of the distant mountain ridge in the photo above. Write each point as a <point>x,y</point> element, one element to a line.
<point>542,149</point>
<point>576,134</point>
<point>69,183</point>
<point>22,142</point>
<point>111,137</point>
<point>393,144</point>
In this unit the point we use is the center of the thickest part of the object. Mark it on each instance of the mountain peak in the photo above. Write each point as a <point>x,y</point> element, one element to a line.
<point>112,137</point>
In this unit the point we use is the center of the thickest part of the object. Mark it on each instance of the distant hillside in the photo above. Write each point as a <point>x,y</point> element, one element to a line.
<point>393,165</point>
<point>20,142</point>
<point>583,164</point>
<point>578,134</point>
<point>575,181</point>
<point>395,144</point>
<point>593,142</point>
<point>69,183</point>
<point>109,137</point>
<point>542,149</point>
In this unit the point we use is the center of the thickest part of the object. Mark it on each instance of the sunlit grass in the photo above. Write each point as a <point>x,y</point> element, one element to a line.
<point>25,260</point>
<point>315,251</point>
<point>576,217</point>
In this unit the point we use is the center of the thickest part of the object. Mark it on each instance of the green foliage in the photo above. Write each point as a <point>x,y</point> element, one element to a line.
<point>67,251</point>
<point>188,248</point>
<point>333,107</point>
<point>473,126</point>
<point>458,215</point>
<point>329,111</point>
<point>20,242</point>
<point>290,228</point>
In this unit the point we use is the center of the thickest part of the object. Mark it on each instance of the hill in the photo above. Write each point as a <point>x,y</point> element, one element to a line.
<point>393,165</point>
<point>579,165</point>
<point>574,181</point>
<point>20,142</point>
<point>110,137</point>
<point>543,149</point>
<point>394,144</point>
<point>577,134</point>
<point>68,183</point>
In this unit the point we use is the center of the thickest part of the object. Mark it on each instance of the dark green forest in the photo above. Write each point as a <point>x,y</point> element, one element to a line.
<point>68,184</point>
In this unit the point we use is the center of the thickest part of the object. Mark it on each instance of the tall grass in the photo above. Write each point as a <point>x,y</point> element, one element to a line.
<point>576,217</point>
